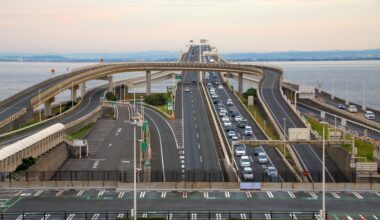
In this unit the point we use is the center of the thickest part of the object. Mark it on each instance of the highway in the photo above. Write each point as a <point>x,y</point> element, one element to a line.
<point>90,101</point>
<point>309,156</point>
<point>200,148</point>
<point>241,204</point>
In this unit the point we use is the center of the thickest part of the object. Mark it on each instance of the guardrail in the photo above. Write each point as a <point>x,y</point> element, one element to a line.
<point>12,117</point>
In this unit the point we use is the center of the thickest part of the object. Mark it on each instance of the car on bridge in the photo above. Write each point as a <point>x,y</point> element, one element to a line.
<point>263,158</point>
<point>369,115</point>
<point>248,130</point>
<point>229,102</point>
<point>240,150</point>
<point>341,106</point>
<point>257,151</point>
<point>187,89</point>
<point>352,108</point>
<point>245,161</point>
<point>272,171</point>
<point>248,173</point>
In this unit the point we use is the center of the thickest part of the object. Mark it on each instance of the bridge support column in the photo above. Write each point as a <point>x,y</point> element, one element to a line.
<point>240,84</point>
<point>47,107</point>
<point>148,82</point>
<point>74,93</point>
<point>110,83</point>
<point>82,89</point>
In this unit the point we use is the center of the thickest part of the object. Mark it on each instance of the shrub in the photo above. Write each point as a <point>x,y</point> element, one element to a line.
<point>111,96</point>
<point>156,99</point>
<point>26,163</point>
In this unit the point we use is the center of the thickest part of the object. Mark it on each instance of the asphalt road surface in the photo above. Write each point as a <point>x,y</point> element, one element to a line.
<point>241,204</point>
<point>309,156</point>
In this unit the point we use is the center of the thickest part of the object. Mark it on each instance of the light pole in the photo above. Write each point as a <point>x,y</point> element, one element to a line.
<point>72,95</point>
<point>323,211</point>
<point>60,99</point>
<point>284,133</point>
<point>363,106</point>
<point>39,103</point>
<point>134,173</point>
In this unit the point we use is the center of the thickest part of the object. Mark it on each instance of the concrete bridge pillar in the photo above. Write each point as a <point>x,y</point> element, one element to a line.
<point>74,93</point>
<point>148,82</point>
<point>240,84</point>
<point>110,83</point>
<point>82,89</point>
<point>47,107</point>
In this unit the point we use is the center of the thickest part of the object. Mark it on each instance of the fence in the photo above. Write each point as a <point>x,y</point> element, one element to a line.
<point>176,176</point>
<point>214,214</point>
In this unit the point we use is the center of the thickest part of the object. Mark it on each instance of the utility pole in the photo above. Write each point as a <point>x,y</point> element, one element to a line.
<point>60,99</point>
<point>323,212</point>
<point>39,103</point>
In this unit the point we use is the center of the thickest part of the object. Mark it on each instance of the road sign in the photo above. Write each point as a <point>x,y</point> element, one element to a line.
<point>178,77</point>
<point>250,100</point>
<point>145,126</point>
<point>170,89</point>
<point>144,145</point>
<point>147,164</point>
<point>299,134</point>
<point>170,104</point>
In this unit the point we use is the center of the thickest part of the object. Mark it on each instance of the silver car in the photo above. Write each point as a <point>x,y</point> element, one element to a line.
<point>263,158</point>
<point>240,150</point>
<point>248,173</point>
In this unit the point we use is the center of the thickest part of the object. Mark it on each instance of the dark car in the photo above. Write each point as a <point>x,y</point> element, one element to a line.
<point>229,128</point>
<point>242,123</point>
<point>234,114</point>
<point>215,101</point>
<point>341,106</point>
<point>194,80</point>
<point>258,150</point>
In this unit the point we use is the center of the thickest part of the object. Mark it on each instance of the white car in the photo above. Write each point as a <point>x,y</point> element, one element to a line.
<point>245,161</point>
<point>187,89</point>
<point>229,102</point>
<point>272,171</point>
<point>227,123</point>
<point>369,115</point>
<point>220,87</point>
<point>352,108</point>
<point>263,158</point>
<point>212,89</point>
<point>214,96</point>
<point>222,113</point>
<point>240,150</point>
<point>230,134</point>
<point>248,173</point>
<point>235,138</point>
<point>238,118</point>
<point>225,118</point>
<point>248,130</point>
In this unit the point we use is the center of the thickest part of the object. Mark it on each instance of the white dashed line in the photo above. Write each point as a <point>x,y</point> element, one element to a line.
<point>205,194</point>
<point>200,158</point>
<point>59,192</point>
<point>349,217</point>
<point>95,216</point>
<point>47,216</point>
<point>109,145</point>
<point>199,146</point>
<point>70,217</point>
<point>121,195</point>
<point>227,194</point>
<point>291,194</point>
<point>142,194</point>
<point>293,216</point>
<point>121,215</point>
<point>38,193</point>
<point>101,192</point>
<point>81,192</point>
<point>248,193</point>
<point>184,195</point>
<point>267,216</point>
<point>362,217</point>
<point>193,216</point>
<point>313,195</point>
<point>358,195</point>
<point>163,195</point>
<point>375,217</point>
<point>243,216</point>
<point>270,195</point>
<point>335,195</point>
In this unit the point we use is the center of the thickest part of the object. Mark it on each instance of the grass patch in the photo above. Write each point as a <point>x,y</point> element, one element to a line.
<point>81,132</point>
<point>364,149</point>
<point>164,109</point>
<point>26,124</point>
<point>257,114</point>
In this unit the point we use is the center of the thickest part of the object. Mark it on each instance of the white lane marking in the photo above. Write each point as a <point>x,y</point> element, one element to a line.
<point>184,195</point>
<point>121,215</point>
<point>197,135</point>
<point>116,134</point>
<point>193,216</point>
<point>358,195</point>
<point>59,192</point>
<point>142,194</point>
<point>170,216</point>
<point>318,216</point>
<point>375,217</point>
<point>70,217</point>
<point>349,217</point>
<point>243,216</point>
<point>109,145</point>
<point>205,194</point>
<point>199,146</point>
<point>227,194</point>
<point>20,217</point>
<point>335,195</point>
<point>163,194</point>
<point>251,159</point>
<point>291,194</point>
<point>38,193</point>
<point>47,216</point>
<point>145,215</point>
<point>362,217</point>
<point>378,194</point>
<point>270,195</point>
<point>248,193</point>
<point>121,195</point>
<point>200,158</point>
<point>293,216</point>
<point>101,192</point>
<point>19,192</point>
<point>81,192</point>
<point>95,216</point>
<point>218,216</point>
<point>313,195</point>
<point>267,216</point>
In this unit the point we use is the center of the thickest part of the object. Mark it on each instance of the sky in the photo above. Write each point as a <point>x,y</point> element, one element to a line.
<point>117,26</point>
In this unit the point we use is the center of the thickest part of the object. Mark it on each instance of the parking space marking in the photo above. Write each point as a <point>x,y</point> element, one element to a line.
<point>81,192</point>
<point>20,217</point>
<point>70,217</point>
<point>291,194</point>
<point>205,194</point>
<point>349,217</point>
<point>59,192</point>
<point>193,216</point>
<point>163,194</point>
<point>200,158</point>
<point>121,215</point>
<point>243,216</point>
<point>142,194</point>
<point>38,193</point>
<point>358,195</point>
<point>170,216</point>
<point>101,192</point>
<point>270,195</point>
<point>218,216</point>
<point>227,194</point>
<point>335,195</point>
<point>362,217</point>
<point>47,216</point>
<point>248,194</point>
<point>375,217</point>
<point>377,193</point>
<point>313,195</point>
<point>318,217</point>
<point>293,216</point>
<point>95,216</point>
<point>19,192</point>
<point>184,195</point>
<point>121,194</point>
<point>267,216</point>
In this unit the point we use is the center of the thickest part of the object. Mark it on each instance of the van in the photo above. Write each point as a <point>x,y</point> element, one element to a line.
<point>369,115</point>
<point>352,108</point>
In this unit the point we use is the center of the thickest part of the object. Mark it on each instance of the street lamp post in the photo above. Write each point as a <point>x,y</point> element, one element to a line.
<point>60,99</point>
<point>323,212</point>
<point>284,132</point>
<point>39,103</point>
<point>134,173</point>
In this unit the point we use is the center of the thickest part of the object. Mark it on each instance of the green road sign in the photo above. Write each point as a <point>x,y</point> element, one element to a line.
<point>178,77</point>
<point>169,89</point>
<point>170,104</point>
<point>145,126</point>
<point>147,164</point>
<point>144,145</point>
